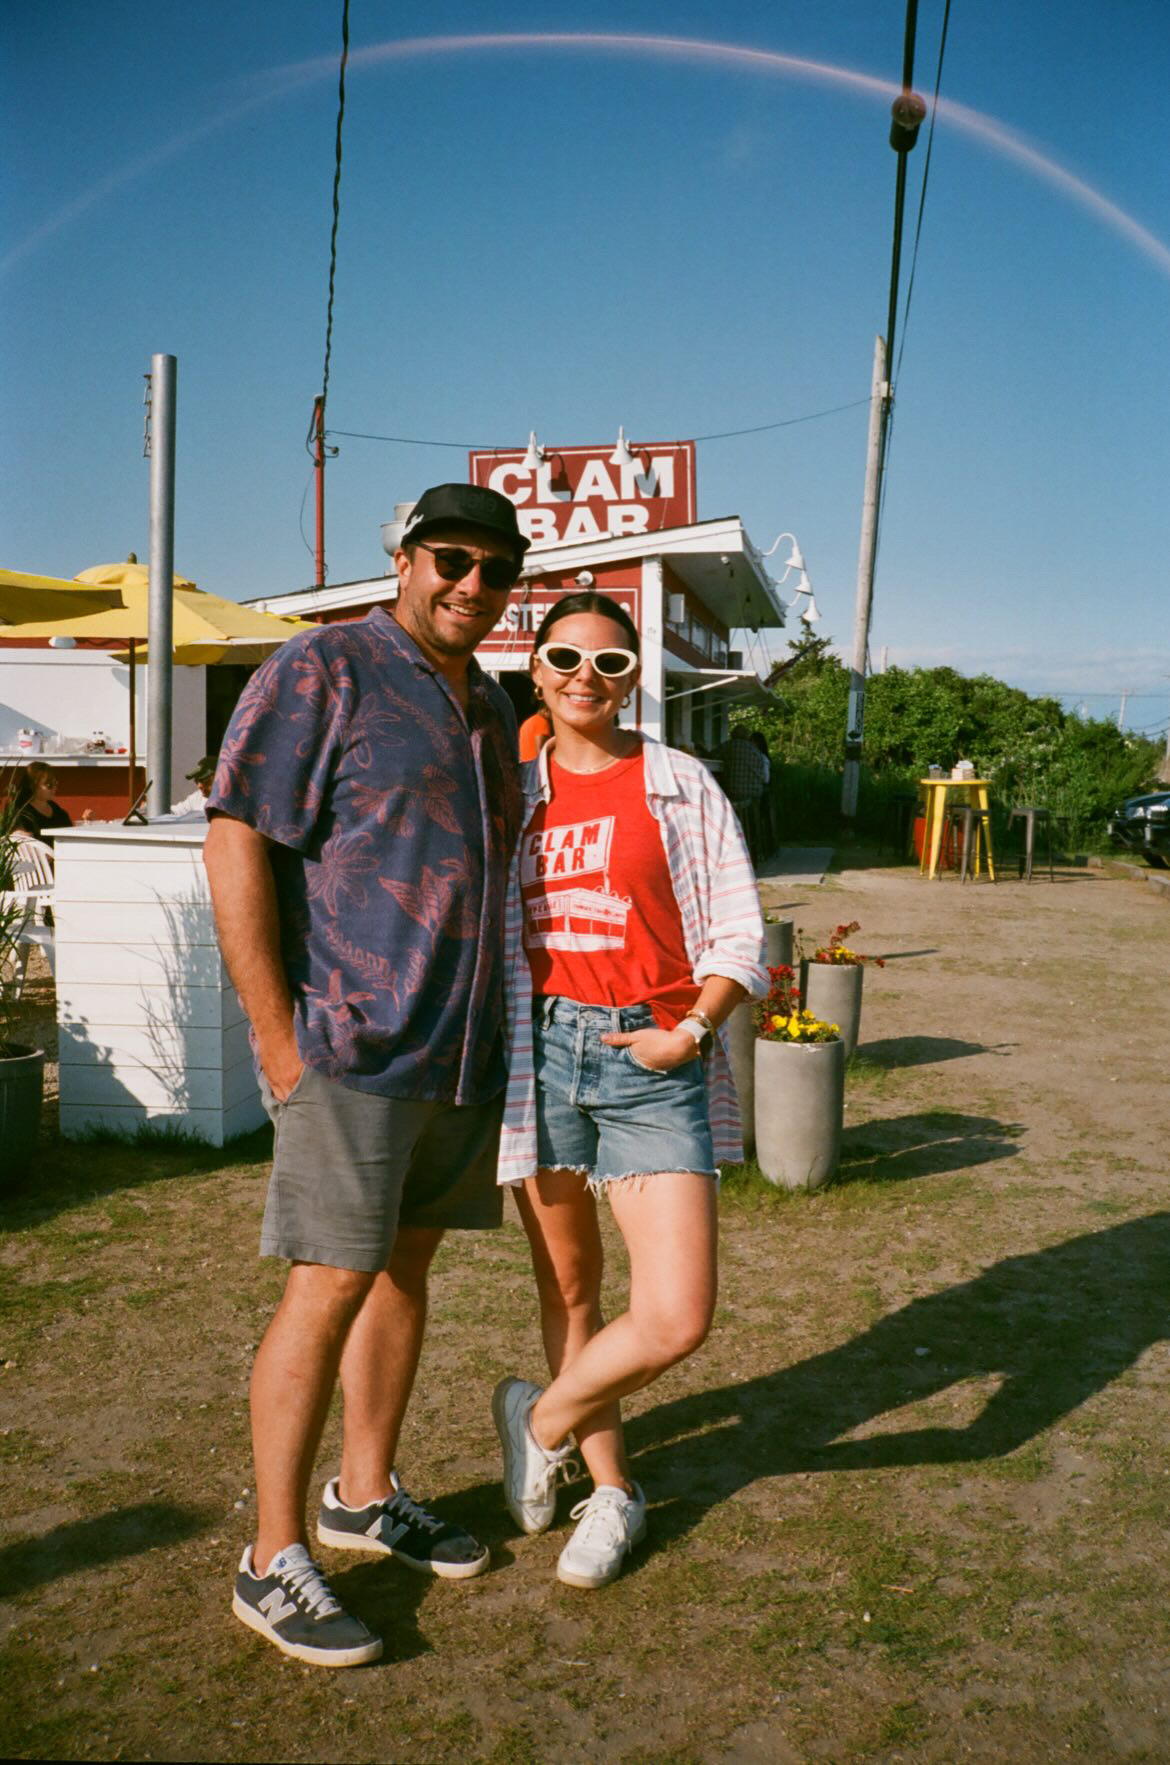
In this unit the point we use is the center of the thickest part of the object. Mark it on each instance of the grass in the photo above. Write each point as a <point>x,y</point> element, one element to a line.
<point>907,1503</point>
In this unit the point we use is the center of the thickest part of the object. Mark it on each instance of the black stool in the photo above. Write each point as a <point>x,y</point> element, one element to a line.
<point>1029,814</point>
<point>973,822</point>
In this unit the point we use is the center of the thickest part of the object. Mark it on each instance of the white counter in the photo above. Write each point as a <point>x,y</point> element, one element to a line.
<point>15,757</point>
<point>149,1024</point>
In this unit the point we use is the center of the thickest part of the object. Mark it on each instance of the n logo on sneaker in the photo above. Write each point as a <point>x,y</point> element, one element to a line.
<point>388,1538</point>
<point>275,1607</point>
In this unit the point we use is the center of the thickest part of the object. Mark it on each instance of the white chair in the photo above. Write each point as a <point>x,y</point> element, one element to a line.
<point>32,885</point>
<point>32,873</point>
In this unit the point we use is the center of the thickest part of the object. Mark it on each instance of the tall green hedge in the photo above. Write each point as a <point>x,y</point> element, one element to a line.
<point>1029,748</point>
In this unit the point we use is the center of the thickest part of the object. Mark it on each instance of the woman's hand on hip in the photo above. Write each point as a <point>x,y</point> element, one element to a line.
<point>660,1050</point>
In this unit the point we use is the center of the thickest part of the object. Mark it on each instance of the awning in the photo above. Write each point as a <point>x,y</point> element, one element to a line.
<point>718,686</point>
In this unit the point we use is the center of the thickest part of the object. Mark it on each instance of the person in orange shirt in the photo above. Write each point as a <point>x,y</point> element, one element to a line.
<point>534,732</point>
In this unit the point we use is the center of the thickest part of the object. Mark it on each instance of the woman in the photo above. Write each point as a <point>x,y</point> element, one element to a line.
<point>634,930</point>
<point>33,795</point>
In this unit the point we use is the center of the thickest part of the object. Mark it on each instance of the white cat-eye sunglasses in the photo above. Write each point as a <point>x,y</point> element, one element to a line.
<point>566,658</point>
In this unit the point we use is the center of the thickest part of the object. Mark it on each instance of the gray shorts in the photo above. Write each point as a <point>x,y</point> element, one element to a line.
<point>348,1168</point>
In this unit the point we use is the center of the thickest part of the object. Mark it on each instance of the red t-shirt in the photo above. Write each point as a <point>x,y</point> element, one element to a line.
<point>601,924</point>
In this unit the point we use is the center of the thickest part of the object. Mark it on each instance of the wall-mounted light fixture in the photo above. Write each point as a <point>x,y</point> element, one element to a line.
<point>621,455</point>
<point>809,615</point>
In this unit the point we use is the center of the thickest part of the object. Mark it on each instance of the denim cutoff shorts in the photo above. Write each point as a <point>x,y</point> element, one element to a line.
<point>600,1112</point>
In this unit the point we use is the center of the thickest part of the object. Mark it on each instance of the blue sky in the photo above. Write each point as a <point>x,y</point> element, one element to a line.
<point>567,239</point>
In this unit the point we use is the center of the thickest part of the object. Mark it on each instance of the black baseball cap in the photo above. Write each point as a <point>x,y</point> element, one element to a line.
<point>205,769</point>
<point>465,505</point>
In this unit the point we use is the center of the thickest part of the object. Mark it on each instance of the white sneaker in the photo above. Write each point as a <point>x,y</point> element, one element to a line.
<point>530,1472</point>
<point>611,1523</point>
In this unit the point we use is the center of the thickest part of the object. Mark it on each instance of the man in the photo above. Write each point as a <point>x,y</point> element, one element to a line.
<point>364,810</point>
<point>202,777</point>
<point>744,772</point>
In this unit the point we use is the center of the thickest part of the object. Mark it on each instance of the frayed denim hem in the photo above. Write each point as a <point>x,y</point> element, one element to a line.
<point>598,1185</point>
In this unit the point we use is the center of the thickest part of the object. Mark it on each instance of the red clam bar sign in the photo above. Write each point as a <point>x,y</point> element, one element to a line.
<point>583,493</point>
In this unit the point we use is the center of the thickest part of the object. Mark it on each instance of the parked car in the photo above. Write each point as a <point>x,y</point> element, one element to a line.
<point>1142,824</point>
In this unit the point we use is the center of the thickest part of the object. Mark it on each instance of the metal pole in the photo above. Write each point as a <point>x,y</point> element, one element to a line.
<point>867,557</point>
<point>132,789</point>
<point>160,615</point>
<point>319,476</point>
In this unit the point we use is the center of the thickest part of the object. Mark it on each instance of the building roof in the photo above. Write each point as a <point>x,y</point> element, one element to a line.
<point>715,559</point>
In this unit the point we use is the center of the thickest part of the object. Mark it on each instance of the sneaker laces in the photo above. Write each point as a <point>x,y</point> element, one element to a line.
<point>311,1588</point>
<point>409,1509</point>
<point>606,1512</point>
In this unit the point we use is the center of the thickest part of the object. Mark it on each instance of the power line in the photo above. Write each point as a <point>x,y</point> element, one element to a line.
<point>922,193</point>
<point>336,202</point>
<point>720,435</point>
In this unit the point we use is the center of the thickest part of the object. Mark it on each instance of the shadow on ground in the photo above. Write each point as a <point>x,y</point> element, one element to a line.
<point>929,1144</point>
<point>1056,1326</point>
<point>904,955</point>
<point>892,1051</point>
<point>70,1173</point>
<point>87,1544</point>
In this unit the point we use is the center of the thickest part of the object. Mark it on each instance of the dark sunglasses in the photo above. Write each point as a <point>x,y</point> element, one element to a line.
<point>566,658</point>
<point>452,563</point>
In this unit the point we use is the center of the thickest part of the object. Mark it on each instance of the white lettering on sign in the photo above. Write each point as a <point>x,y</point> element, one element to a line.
<point>581,493</point>
<point>510,481</point>
<point>538,524</point>
<point>580,849</point>
<point>595,481</point>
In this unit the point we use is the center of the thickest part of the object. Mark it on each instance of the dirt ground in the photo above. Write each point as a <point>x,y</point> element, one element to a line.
<point>907,1503</point>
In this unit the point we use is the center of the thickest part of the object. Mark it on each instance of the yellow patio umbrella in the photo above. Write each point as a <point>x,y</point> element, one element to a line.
<point>108,606</point>
<point>24,597</point>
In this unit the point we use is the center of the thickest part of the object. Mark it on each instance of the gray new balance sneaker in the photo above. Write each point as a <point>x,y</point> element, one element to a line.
<point>294,1607</point>
<point>610,1524</point>
<point>530,1472</point>
<point>399,1527</point>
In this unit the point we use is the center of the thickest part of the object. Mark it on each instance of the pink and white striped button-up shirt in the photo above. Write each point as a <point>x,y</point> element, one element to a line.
<point>723,931</point>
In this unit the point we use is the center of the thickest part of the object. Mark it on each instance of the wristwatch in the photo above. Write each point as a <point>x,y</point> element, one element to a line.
<point>699,1026</point>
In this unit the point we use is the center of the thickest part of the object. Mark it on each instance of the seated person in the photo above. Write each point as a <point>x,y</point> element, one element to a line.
<point>203,777</point>
<point>33,796</point>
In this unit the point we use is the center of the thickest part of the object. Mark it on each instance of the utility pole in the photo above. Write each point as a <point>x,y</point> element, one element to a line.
<point>1121,710</point>
<point>907,113</point>
<point>161,601</point>
<point>867,558</point>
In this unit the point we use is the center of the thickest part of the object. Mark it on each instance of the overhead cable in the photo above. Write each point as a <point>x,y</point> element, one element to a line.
<point>720,435</point>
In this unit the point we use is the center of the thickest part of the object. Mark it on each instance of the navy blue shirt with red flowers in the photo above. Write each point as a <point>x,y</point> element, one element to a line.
<point>392,815</point>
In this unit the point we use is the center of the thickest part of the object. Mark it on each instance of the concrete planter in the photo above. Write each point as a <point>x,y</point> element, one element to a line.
<point>832,992</point>
<point>800,1107</point>
<point>778,943</point>
<point>741,1033</point>
<point>21,1087</point>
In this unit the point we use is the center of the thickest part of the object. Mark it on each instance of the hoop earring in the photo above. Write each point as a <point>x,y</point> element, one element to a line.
<point>627,700</point>
<point>538,692</point>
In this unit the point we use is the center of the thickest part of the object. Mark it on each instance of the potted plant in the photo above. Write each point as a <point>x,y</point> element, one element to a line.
<point>800,1087</point>
<point>21,1066</point>
<point>830,980</point>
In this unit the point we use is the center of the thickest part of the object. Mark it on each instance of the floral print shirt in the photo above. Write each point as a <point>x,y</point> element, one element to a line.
<point>392,815</point>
